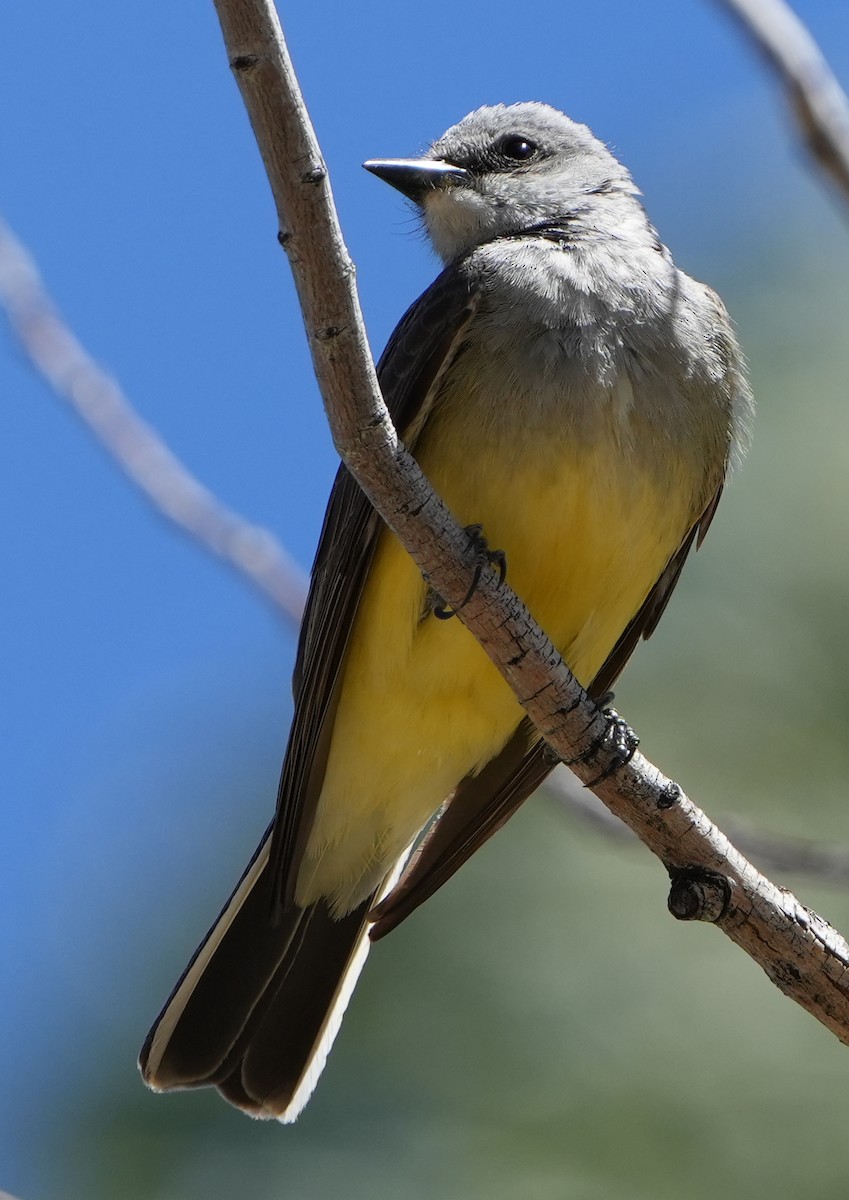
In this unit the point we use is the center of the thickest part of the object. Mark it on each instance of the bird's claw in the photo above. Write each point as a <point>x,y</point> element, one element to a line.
<point>484,557</point>
<point>618,739</point>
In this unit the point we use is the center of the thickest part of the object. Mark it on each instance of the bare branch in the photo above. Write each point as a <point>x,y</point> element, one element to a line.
<point>820,105</point>
<point>711,880</point>
<point>143,457</point>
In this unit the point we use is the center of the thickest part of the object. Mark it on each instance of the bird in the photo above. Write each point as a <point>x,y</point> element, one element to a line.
<point>568,391</point>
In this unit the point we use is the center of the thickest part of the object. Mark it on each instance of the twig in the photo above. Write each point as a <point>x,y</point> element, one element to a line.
<point>712,881</point>
<point>820,105</point>
<point>132,444</point>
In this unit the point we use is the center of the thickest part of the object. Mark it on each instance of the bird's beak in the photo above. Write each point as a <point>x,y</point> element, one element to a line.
<point>415,177</point>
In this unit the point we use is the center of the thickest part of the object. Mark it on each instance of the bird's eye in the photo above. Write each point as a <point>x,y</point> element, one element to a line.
<point>517,147</point>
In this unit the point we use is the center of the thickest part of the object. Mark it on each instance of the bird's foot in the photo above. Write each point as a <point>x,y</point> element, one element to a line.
<point>617,738</point>
<point>484,557</point>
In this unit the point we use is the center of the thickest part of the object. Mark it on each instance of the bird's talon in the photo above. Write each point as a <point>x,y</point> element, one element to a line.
<point>619,738</point>
<point>484,558</point>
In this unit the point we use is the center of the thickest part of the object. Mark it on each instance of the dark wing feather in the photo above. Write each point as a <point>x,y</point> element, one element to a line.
<point>418,353</point>
<point>483,803</point>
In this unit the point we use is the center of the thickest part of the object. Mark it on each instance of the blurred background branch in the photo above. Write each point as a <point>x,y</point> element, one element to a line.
<point>137,450</point>
<point>826,862</point>
<point>817,100</point>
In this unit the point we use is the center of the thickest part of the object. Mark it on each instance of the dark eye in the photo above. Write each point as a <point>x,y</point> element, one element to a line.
<point>517,147</point>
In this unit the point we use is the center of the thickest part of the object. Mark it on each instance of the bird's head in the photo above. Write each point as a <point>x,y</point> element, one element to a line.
<point>504,170</point>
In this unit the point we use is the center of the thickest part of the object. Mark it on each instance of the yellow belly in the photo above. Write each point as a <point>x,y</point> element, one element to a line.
<point>586,532</point>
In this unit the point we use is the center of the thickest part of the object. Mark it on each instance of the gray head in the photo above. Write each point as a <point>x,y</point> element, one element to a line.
<point>505,169</point>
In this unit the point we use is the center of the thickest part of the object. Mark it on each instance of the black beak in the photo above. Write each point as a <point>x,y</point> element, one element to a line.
<point>415,177</point>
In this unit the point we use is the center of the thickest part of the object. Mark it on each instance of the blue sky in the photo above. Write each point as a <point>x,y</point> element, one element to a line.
<point>137,670</point>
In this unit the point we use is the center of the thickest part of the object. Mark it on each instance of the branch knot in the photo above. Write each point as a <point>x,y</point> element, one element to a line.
<point>244,62</point>
<point>697,894</point>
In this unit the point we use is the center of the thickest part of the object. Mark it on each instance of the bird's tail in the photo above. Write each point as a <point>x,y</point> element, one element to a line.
<point>257,1009</point>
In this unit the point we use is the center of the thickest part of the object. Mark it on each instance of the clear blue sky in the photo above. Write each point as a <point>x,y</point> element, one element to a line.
<point>134,668</point>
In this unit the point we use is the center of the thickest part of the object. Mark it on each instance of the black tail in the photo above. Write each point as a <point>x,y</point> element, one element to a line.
<point>256,1010</point>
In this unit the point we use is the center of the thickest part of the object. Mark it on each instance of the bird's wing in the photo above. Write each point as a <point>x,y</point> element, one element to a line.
<point>483,803</point>
<point>419,352</point>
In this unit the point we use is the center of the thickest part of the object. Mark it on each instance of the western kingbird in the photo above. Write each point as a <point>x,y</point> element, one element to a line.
<point>561,383</point>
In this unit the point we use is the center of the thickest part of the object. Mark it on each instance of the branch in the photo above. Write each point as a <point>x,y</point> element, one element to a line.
<point>143,457</point>
<point>711,880</point>
<point>819,103</point>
